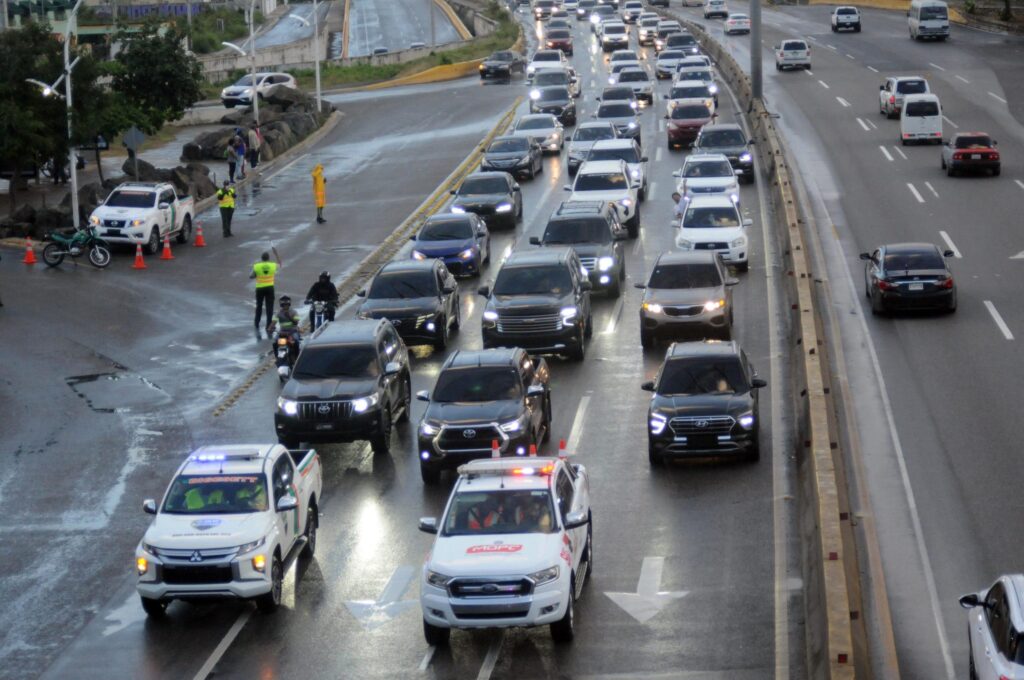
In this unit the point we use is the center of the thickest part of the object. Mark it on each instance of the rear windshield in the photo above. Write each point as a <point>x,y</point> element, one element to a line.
<point>614,181</point>
<point>616,93</point>
<point>624,56</point>
<point>131,199</point>
<point>911,87</point>
<point>403,285</point>
<point>446,230</point>
<point>544,123</point>
<point>547,56</point>
<point>738,17</point>
<point>501,56</point>
<point>722,138</point>
<point>633,76</point>
<point>907,261</point>
<point>558,34</point>
<point>483,185</point>
<point>535,280</point>
<point>701,375</point>
<point>965,142</point>
<point>477,384</point>
<point>216,495</point>
<point>626,153</point>
<point>794,45</point>
<point>614,29</point>
<point>551,78</point>
<point>593,134</point>
<point>710,217</point>
<point>577,230</point>
<point>346,361</point>
<point>921,109</point>
<point>614,110</point>
<point>553,94</point>
<point>933,13</point>
<point>685,276</point>
<point>846,10</point>
<point>670,54</point>
<point>690,112</point>
<point>708,169</point>
<point>503,145</point>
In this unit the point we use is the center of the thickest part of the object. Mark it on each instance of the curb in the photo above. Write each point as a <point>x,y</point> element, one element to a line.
<point>460,27</point>
<point>368,266</point>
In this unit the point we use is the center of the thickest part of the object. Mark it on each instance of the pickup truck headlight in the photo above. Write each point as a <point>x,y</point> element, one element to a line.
<point>531,68</point>
<point>634,173</point>
<point>544,575</point>
<point>458,209</point>
<point>364,404</point>
<point>141,565</point>
<point>94,221</point>
<point>739,242</point>
<point>632,125</point>
<point>503,208</point>
<point>514,425</point>
<point>138,223</point>
<point>466,254</point>
<point>252,545</point>
<point>712,88</point>
<point>490,318</point>
<point>437,579</point>
<point>746,420</point>
<point>625,202</point>
<point>568,315</point>
<point>685,244</point>
<point>605,263</point>
<point>287,406</point>
<point>535,94</point>
<point>657,423</point>
<point>745,157</point>
<point>428,429</point>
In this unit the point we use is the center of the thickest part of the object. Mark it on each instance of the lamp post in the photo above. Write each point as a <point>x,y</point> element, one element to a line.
<point>252,61</point>
<point>316,46</point>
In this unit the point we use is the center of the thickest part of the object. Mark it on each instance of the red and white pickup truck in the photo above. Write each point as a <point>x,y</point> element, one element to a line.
<point>144,213</point>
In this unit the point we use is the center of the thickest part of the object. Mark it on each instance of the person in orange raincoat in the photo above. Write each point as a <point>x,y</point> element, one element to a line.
<point>319,192</point>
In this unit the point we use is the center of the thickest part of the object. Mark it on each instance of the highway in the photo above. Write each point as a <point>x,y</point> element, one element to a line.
<point>724,534</point>
<point>287,30</point>
<point>928,392</point>
<point>396,25</point>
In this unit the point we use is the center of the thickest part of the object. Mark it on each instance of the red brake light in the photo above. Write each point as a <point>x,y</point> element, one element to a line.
<point>892,99</point>
<point>883,285</point>
<point>948,283</point>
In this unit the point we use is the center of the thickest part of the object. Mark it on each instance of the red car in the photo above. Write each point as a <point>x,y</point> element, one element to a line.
<point>970,151</point>
<point>685,119</point>
<point>559,39</point>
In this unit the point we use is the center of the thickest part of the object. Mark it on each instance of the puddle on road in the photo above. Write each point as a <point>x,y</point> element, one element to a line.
<point>118,392</point>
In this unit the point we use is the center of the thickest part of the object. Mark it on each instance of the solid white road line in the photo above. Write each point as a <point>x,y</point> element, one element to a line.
<point>962,78</point>
<point>221,648</point>
<point>995,96</point>
<point>913,190</point>
<point>951,123</point>
<point>885,152</point>
<point>652,191</point>
<point>950,244</point>
<point>999,320</point>
<point>932,189</point>
<point>933,65</point>
<point>900,152</point>
<point>823,84</point>
<point>1019,183</point>
<point>864,125</point>
<point>872,68</point>
<point>491,660</point>
<point>426,658</point>
<point>843,101</point>
<point>577,424</point>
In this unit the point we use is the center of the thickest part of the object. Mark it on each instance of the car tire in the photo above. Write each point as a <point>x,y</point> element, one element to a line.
<point>995,172</point>
<point>457,321</point>
<point>952,305</point>
<point>564,629</point>
<point>588,332</point>
<point>547,419</point>
<point>615,290</point>
<point>903,142</point>
<point>436,636</point>
<point>579,353</point>
<point>441,343</point>
<point>950,172</point>
<point>754,454</point>
<point>743,266</point>
<point>186,230</point>
<point>653,457</point>
<point>312,523</point>
<point>406,411</point>
<point>487,260</point>
<point>431,476</point>
<point>155,609</point>
<point>942,162</point>
<point>381,441</point>
<point>856,28</point>
<point>268,603</point>
<point>877,308</point>
<point>153,244</point>
<point>646,339</point>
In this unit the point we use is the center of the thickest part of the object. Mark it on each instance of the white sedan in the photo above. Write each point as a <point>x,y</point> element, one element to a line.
<point>737,23</point>
<point>543,128</point>
<point>992,629</point>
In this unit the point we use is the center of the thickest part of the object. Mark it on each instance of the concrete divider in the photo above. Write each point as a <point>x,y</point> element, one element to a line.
<point>830,640</point>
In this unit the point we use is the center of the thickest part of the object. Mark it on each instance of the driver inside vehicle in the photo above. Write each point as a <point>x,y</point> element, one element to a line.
<point>533,515</point>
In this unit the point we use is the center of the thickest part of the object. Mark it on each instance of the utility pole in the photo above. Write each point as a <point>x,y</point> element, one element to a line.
<point>252,60</point>
<point>756,85</point>
<point>72,160</point>
<point>433,35</point>
<point>188,13</point>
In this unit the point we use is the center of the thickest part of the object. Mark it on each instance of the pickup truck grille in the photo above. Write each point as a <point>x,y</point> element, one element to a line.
<point>698,425</point>
<point>188,575</point>
<point>529,325</point>
<point>324,410</point>
<point>469,438</point>
<point>117,224</point>
<point>484,587</point>
<point>589,263</point>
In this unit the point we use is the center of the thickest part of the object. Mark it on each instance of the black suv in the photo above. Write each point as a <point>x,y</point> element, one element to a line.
<point>704,404</point>
<point>593,230</point>
<point>540,301</point>
<point>556,100</point>
<point>728,139</point>
<point>419,297</point>
<point>350,382</point>
<point>482,397</point>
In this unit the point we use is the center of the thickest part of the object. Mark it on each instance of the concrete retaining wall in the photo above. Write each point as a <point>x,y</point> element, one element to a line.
<point>299,54</point>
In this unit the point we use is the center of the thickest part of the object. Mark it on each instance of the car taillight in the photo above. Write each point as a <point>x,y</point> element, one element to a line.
<point>884,285</point>
<point>994,156</point>
<point>892,99</point>
<point>947,283</point>
<point>958,156</point>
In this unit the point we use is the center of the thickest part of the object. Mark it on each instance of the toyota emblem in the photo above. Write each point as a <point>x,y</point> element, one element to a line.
<point>323,409</point>
<point>469,434</point>
<point>702,423</point>
<point>196,556</point>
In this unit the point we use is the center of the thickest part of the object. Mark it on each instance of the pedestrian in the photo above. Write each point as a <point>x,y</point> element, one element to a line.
<point>226,201</point>
<point>255,143</point>
<point>264,272</point>
<point>319,192</point>
<point>680,208</point>
<point>240,152</point>
<point>231,156</point>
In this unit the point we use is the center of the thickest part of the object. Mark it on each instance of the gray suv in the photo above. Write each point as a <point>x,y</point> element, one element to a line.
<point>593,230</point>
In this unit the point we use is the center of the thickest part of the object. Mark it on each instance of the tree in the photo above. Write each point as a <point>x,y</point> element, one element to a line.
<point>156,76</point>
<point>98,110</point>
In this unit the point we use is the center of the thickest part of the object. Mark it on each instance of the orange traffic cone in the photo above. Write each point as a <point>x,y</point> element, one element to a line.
<point>495,452</point>
<point>200,242</point>
<point>139,262</point>
<point>30,255</point>
<point>533,450</point>
<point>562,453</point>
<point>166,255</point>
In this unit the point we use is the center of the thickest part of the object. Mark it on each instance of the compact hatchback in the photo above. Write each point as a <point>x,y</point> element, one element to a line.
<point>909,276</point>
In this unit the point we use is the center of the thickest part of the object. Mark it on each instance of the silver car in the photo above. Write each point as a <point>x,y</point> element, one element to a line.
<point>637,79</point>
<point>622,116</point>
<point>688,293</point>
<point>543,128</point>
<point>583,138</point>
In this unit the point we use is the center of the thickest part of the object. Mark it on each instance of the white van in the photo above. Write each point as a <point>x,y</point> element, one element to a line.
<point>928,19</point>
<point>921,119</point>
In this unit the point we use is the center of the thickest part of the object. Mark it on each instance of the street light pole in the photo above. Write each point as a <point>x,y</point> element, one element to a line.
<point>433,35</point>
<point>316,45</point>
<point>72,161</point>
<point>252,59</point>
<point>756,86</point>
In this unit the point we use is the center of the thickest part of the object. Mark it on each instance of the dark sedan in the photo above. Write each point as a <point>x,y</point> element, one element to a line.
<point>494,196</point>
<point>728,139</point>
<point>419,297</point>
<point>909,276</point>
<point>502,65</point>
<point>515,155</point>
<point>556,100</point>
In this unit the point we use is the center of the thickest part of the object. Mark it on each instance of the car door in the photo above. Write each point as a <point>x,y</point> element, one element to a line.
<point>568,501</point>
<point>873,271</point>
<point>392,349</point>
<point>283,478</point>
<point>582,296</point>
<point>986,629</point>
<point>884,92</point>
<point>167,216</point>
<point>447,299</point>
<point>534,403</point>
<point>482,237</point>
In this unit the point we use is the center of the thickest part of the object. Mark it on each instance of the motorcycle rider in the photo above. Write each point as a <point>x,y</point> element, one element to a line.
<point>288,320</point>
<point>323,290</point>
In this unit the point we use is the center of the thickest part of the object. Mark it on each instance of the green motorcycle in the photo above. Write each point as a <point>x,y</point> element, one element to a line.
<point>83,240</point>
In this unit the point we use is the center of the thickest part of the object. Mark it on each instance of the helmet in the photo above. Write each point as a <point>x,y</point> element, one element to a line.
<point>325,276</point>
<point>285,301</point>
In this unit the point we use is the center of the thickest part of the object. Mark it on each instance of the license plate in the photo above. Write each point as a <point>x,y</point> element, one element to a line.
<point>324,426</point>
<point>916,286</point>
<point>112,232</point>
<point>975,156</point>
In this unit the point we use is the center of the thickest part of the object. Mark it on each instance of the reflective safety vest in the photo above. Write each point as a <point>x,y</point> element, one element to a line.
<point>226,198</point>
<point>265,273</point>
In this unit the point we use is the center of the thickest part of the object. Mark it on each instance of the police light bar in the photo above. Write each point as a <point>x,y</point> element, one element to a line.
<point>508,467</point>
<point>214,456</point>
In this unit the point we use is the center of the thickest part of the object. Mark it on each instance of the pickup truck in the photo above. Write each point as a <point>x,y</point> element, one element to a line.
<point>231,523</point>
<point>144,212</point>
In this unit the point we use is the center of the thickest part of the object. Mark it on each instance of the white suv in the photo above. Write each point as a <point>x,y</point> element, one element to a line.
<point>705,174</point>
<point>546,59</point>
<point>845,17</point>
<point>994,629</point>
<point>614,35</point>
<point>715,223</point>
<point>792,53</point>
<point>627,150</point>
<point>609,181</point>
<point>512,548</point>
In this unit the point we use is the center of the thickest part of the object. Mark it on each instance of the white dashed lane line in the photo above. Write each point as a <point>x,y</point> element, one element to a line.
<point>950,244</point>
<point>851,56</point>
<point>823,84</point>
<point>843,102</point>
<point>936,66</point>
<point>997,97</point>
<point>831,47</point>
<point>809,72</point>
<point>900,152</point>
<point>1019,183</point>
<point>864,125</point>
<point>917,194</point>
<point>873,69</point>
<point>951,123</point>
<point>932,189</point>
<point>1003,328</point>
<point>963,79</point>
<point>885,152</point>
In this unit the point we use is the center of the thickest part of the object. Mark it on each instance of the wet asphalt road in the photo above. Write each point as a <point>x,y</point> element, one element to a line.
<point>184,327</point>
<point>288,30</point>
<point>395,24</point>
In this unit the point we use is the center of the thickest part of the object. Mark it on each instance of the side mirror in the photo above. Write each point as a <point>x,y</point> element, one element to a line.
<point>567,188</point>
<point>149,506</point>
<point>758,383</point>
<point>286,503</point>
<point>947,253</point>
<point>423,395</point>
<point>995,143</point>
<point>752,141</point>
<point>643,159</point>
<point>535,391</point>
<point>392,368</point>
<point>516,188</point>
<point>534,241</point>
<point>664,96</point>
<point>865,256</point>
<point>731,282</point>
<point>484,291</point>
<point>647,386</point>
<point>970,601</point>
<point>448,290</point>
<point>481,232</point>
<point>164,206</point>
<point>747,222</point>
<point>677,173</point>
<point>412,237</point>
<point>641,286</point>
<point>361,293</point>
<point>881,87</point>
<point>576,519</point>
<point>586,285</point>
<point>453,192</point>
<point>428,525</point>
<point>665,116</point>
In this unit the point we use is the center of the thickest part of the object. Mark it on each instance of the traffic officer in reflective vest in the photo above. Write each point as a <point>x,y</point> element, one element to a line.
<point>226,201</point>
<point>264,272</point>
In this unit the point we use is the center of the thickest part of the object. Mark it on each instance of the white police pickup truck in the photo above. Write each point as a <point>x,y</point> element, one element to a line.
<point>513,548</point>
<point>144,212</point>
<point>229,526</point>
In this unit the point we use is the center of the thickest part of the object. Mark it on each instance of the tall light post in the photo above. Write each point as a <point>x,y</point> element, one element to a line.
<point>252,60</point>
<point>316,46</point>
<point>756,81</point>
<point>433,35</point>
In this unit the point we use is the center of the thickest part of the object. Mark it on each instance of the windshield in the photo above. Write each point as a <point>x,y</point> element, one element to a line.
<point>632,76</point>
<point>547,56</point>
<point>613,181</point>
<point>504,145</point>
<point>614,29</point>
<point>593,134</point>
<point>920,109</point>
<point>344,361</point>
<point>911,87</point>
<point>477,384</point>
<point>553,94</point>
<point>702,375</point>
<point>670,54</point>
<point>535,124</point>
<point>615,111</point>
<point>551,78</point>
<point>446,230</point>
<point>246,81</point>
<point>624,56</point>
<point>690,111</point>
<point>696,74</point>
<point>617,93</point>
<point>501,56</point>
<point>500,512</point>
<point>474,186</point>
<point>933,13</point>
<point>628,154</point>
<point>535,280</point>
<point>684,39</point>
<point>669,276</point>
<point>216,495</point>
<point>568,231</point>
<point>708,169</point>
<point>559,34</point>
<point>689,92</point>
<point>965,142</point>
<point>708,217</point>
<point>131,199</point>
<point>403,285</point>
<point>722,138</point>
<point>919,260</point>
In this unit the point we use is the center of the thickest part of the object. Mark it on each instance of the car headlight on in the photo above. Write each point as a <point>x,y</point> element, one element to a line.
<point>684,244</point>
<point>437,579</point>
<point>632,125</point>
<point>428,429</point>
<point>490,315</point>
<point>745,157</point>
<point>595,18</point>
<point>466,254</point>
<point>712,88</point>
<point>625,202</point>
<point>568,316</point>
<point>458,209</point>
<point>544,575</point>
<point>531,68</point>
<point>514,425</point>
<point>95,221</point>
<point>746,420</point>
<point>138,223</point>
<point>652,307</point>
<point>738,242</point>
<point>634,106</point>
<point>249,547</point>
<point>657,423</point>
<point>141,565</point>
<point>611,80</point>
<point>503,208</point>
<point>635,174</point>
<point>534,94</point>
<point>713,305</point>
<point>605,263</point>
<point>417,255</point>
<point>735,197</point>
<point>364,404</point>
<point>287,406</point>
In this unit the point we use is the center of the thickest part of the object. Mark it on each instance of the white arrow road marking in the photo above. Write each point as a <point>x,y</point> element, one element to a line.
<point>647,601</point>
<point>375,613</point>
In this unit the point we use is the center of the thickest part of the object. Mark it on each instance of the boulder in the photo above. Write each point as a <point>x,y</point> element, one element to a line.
<point>48,219</point>
<point>25,213</point>
<point>302,124</point>
<point>89,196</point>
<point>193,179</point>
<point>213,144</point>
<point>147,173</point>
<point>12,229</point>
<point>191,152</point>
<point>244,117</point>
<point>285,97</point>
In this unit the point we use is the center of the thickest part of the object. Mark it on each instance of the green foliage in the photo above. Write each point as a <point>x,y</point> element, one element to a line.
<point>207,33</point>
<point>970,7</point>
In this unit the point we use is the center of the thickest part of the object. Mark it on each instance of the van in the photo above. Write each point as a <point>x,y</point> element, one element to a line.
<point>928,19</point>
<point>921,119</point>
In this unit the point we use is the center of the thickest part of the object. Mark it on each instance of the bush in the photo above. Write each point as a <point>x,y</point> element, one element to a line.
<point>970,7</point>
<point>211,27</point>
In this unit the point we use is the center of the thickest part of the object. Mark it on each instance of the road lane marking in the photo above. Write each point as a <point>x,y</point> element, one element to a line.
<point>851,56</point>
<point>950,244</point>
<point>648,600</point>
<point>872,68</point>
<point>913,190</point>
<point>900,152</point>
<point>932,189</point>
<point>934,65</point>
<point>426,658</point>
<point>222,647</point>
<point>577,424</point>
<point>843,102</point>
<point>864,125</point>
<point>831,47</point>
<point>885,152</point>
<point>651,191</point>
<point>997,97</point>
<point>871,123</point>
<point>658,154</point>
<point>952,124</point>
<point>963,79</point>
<point>1019,183</point>
<point>999,320</point>
<point>491,660</point>
<point>809,72</point>
<point>373,614</point>
<point>823,84</point>
<point>616,313</point>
